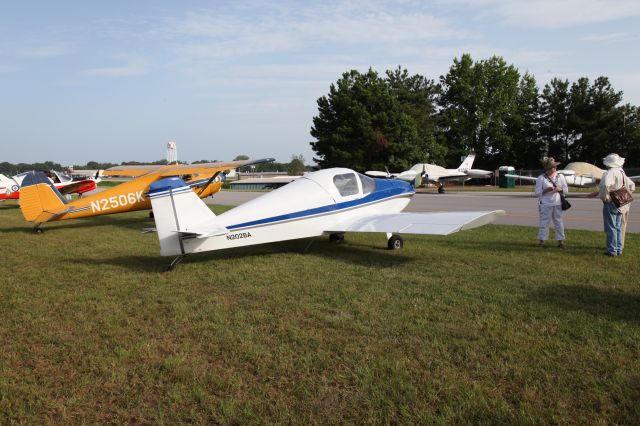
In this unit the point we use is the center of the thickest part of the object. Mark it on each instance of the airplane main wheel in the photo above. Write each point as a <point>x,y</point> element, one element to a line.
<point>336,238</point>
<point>38,230</point>
<point>395,242</point>
<point>441,190</point>
<point>151,215</point>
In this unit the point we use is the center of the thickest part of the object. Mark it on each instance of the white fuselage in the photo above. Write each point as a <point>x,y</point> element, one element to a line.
<point>302,209</point>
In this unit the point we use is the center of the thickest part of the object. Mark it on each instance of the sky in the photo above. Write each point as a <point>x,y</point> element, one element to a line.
<point>114,81</point>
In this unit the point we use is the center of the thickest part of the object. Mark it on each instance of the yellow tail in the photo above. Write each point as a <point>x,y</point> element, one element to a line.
<point>40,201</point>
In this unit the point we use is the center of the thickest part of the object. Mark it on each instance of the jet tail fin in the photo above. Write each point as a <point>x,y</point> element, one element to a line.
<point>40,201</point>
<point>179,214</point>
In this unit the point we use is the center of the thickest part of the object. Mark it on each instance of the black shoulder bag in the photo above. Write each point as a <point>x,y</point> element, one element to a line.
<point>564,203</point>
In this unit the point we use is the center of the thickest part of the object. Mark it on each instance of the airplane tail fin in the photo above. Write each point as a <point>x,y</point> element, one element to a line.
<point>178,213</point>
<point>39,199</point>
<point>467,163</point>
<point>5,182</point>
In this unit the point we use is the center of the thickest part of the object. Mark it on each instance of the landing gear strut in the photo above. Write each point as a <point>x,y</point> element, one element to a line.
<point>441,189</point>
<point>173,264</point>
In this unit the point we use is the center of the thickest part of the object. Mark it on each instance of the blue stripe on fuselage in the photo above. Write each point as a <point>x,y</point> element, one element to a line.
<point>385,190</point>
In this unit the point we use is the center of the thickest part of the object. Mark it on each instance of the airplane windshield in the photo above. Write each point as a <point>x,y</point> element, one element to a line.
<point>368,184</point>
<point>346,184</point>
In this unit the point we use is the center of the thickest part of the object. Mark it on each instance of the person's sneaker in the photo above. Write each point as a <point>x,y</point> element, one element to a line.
<point>561,244</point>
<point>606,253</point>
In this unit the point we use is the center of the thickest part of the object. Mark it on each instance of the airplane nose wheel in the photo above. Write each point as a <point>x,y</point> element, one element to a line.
<point>441,189</point>
<point>395,242</point>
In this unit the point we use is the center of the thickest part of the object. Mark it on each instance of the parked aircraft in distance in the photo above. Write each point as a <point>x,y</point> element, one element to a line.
<point>40,201</point>
<point>10,187</point>
<point>437,174</point>
<point>577,174</point>
<point>407,176</point>
<point>331,201</point>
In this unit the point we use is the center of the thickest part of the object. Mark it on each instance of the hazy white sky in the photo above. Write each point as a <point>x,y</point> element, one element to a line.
<point>115,80</point>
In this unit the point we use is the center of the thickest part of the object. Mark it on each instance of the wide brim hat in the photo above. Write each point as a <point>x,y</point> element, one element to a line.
<point>613,160</point>
<point>549,163</point>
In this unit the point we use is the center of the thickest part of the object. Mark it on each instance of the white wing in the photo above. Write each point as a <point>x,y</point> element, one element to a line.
<point>439,223</point>
<point>527,178</point>
<point>634,178</point>
<point>377,174</point>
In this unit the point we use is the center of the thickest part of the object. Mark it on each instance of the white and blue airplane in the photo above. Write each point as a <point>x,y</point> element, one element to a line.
<point>327,202</point>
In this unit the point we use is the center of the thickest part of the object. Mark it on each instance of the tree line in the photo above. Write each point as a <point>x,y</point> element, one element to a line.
<point>368,121</point>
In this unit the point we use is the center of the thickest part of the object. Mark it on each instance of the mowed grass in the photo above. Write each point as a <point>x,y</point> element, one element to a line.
<point>478,327</point>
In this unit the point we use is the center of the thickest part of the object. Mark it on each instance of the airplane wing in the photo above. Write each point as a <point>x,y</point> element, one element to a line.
<point>377,174</point>
<point>634,178</point>
<point>437,223</point>
<point>131,171</point>
<point>73,187</point>
<point>527,178</point>
<point>186,169</point>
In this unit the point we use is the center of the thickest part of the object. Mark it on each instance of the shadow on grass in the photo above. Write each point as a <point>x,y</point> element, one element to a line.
<point>319,247</point>
<point>130,223</point>
<point>525,246</point>
<point>595,301</point>
<point>4,206</point>
<point>134,263</point>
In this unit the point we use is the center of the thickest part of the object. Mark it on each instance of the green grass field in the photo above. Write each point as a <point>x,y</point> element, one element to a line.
<point>478,327</point>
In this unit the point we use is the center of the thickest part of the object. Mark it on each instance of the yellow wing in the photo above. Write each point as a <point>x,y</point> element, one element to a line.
<point>181,169</point>
<point>209,168</point>
<point>132,171</point>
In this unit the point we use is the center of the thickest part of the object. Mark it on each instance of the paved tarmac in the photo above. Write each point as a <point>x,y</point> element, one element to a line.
<point>521,207</point>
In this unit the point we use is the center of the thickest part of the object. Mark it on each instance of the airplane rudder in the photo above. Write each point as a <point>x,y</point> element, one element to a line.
<point>175,207</point>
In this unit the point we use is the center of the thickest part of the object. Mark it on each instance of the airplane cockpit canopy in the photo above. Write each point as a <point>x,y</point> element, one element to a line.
<point>346,183</point>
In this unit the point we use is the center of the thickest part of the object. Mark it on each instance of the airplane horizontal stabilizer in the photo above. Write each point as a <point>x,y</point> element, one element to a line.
<point>204,231</point>
<point>437,223</point>
<point>453,177</point>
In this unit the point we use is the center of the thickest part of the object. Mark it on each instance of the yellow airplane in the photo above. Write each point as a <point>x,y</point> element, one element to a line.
<point>41,202</point>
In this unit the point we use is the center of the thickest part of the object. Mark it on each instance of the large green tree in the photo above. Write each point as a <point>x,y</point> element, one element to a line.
<point>478,101</point>
<point>418,98</point>
<point>593,119</point>
<point>554,118</point>
<point>523,126</point>
<point>363,124</point>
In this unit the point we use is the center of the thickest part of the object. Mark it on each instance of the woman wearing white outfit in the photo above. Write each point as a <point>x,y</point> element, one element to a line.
<point>549,185</point>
